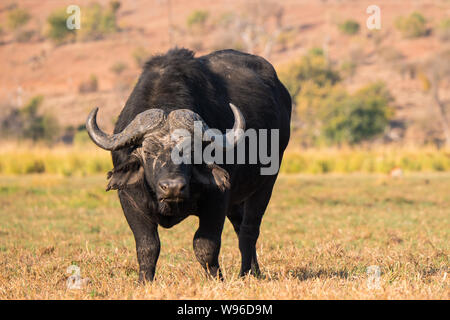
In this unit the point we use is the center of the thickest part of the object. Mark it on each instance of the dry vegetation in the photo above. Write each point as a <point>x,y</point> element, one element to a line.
<point>86,159</point>
<point>319,235</point>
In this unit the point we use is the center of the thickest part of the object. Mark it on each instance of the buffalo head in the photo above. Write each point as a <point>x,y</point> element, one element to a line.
<point>150,139</point>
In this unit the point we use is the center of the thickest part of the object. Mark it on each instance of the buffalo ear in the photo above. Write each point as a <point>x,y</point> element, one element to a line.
<point>128,174</point>
<point>213,176</point>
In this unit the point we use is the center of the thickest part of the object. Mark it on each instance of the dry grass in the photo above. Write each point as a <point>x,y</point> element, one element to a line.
<point>87,159</point>
<point>318,237</point>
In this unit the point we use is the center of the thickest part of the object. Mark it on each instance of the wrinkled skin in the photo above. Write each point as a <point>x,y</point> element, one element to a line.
<point>153,191</point>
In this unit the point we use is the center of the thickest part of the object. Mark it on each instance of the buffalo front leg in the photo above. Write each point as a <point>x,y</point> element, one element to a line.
<point>207,242</point>
<point>145,234</point>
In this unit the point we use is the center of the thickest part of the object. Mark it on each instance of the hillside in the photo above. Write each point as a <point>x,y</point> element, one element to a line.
<point>40,67</point>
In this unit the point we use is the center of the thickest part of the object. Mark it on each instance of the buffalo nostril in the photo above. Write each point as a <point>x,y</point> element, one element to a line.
<point>163,185</point>
<point>172,187</point>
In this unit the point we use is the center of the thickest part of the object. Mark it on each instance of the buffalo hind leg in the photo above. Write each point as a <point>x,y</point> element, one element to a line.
<point>254,208</point>
<point>145,234</point>
<point>235,216</point>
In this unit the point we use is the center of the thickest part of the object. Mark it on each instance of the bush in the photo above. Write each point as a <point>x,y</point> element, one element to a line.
<point>325,113</point>
<point>444,30</point>
<point>90,85</point>
<point>29,123</point>
<point>57,28</point>
<point>24,35</point>
<point>38,127</point>
<point>412,26</point>
<point>114,5</point>
<point>197,18</point>
<point>312,67</point>
<point>97,22</point>
<point>349,27</point>
<point>17,18</point>
<point>355,118</point>
<point>118,67</point>
<point>140,56</point>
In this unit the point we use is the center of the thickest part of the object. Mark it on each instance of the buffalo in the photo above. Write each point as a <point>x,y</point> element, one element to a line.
<point>230,91</point>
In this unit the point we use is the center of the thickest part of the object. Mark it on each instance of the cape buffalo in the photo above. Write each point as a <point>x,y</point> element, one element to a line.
<point>222,90</point>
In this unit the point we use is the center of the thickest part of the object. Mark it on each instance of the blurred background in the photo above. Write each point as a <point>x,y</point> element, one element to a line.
<point>364,100</point>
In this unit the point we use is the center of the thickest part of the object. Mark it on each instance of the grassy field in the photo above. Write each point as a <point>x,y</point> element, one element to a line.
<point>318,237</point>
<point>82,160</point>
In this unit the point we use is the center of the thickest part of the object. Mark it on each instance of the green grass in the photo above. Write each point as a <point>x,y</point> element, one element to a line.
<point>319,235</point>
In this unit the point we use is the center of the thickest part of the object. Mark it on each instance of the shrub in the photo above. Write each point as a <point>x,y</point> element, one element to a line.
<point>24,35</point>
<point>97,22</point>
<point>354,118</point>
<point>17,18</point>
<point>118,67</point>
<point>444,30</point>
<point>29,123</point>
<point>90,85</point>
<point>325,113</point>
<point>140,56</point>
<point>412,26</point>
<point>57,28</point>
<point>38,127</point>
<point>114,5</point>
<point>349,27</point>
<point>312,67</point>
<point>197,18</point>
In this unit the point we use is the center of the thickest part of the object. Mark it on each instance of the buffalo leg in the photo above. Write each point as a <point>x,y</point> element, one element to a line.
<point>254,209</point>
<point>145,234</point>
<point>207,242</point>
<point>235,216</point>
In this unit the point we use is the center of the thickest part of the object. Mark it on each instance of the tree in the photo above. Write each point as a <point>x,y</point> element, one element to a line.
<point>324,112</point>
<point>354,118</point>
<point>29,123</point>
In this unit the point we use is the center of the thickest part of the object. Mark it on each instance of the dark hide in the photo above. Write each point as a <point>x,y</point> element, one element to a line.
<point>206,85</point>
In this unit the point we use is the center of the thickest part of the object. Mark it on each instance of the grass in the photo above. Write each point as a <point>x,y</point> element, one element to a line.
<point>378,160</point>
<point>85,160</point>
<point>319,235</point>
